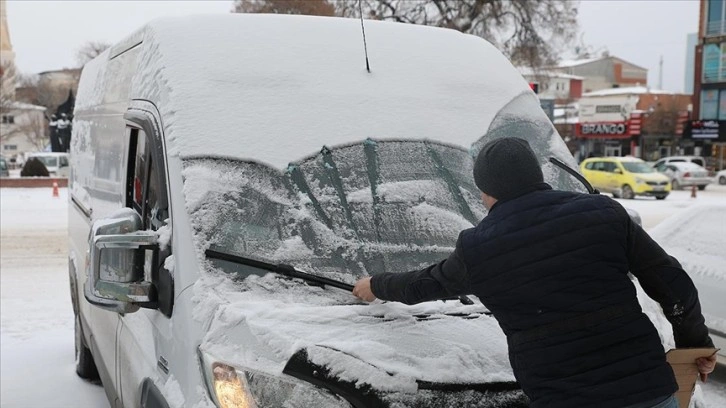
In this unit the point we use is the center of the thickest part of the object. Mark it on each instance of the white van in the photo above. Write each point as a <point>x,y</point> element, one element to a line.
<point>56,163</point>
<point>211,153</point>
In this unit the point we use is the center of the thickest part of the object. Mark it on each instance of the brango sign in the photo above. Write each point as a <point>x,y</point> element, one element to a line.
<point>603,129</point>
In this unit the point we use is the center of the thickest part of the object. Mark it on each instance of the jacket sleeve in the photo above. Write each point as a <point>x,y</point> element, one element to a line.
<point>444,279</point>
<point>664,280</point>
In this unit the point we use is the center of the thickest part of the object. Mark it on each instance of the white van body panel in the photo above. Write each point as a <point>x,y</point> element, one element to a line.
<point>272,89</point>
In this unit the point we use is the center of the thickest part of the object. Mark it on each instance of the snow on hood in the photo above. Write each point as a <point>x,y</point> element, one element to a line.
<point>263,321</point>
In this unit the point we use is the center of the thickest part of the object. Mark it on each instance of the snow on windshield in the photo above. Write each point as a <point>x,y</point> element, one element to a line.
<point>355,210</point>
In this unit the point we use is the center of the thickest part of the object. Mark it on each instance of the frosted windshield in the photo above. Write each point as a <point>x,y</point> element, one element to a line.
<point>365,208</point>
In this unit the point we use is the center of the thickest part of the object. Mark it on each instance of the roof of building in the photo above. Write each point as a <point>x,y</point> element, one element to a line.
<point>575,63</point>
<point>631,90</point>
<point>526,71</point>
<point>26,106</point>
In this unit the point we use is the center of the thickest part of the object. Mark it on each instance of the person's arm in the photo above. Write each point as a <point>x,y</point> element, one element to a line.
<point>444,279</point>
<point>664,280</point>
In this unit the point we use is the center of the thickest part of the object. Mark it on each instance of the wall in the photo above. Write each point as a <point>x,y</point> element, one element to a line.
<point>29,124</point>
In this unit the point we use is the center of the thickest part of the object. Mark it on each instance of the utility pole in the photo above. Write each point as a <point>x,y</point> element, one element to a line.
<point>660,73</point>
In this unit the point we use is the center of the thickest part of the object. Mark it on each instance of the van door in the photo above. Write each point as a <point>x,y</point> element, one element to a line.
<point>146,334</point>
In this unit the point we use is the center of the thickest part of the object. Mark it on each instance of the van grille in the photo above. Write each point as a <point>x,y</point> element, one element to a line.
<point>656,183</point>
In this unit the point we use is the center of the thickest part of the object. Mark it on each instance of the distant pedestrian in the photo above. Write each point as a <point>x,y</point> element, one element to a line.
<point>552,267</point>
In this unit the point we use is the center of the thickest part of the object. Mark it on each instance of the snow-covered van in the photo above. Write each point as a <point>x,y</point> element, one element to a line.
<point>233,175</point>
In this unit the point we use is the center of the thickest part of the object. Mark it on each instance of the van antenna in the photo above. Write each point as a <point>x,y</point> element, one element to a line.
<point>363,29</point>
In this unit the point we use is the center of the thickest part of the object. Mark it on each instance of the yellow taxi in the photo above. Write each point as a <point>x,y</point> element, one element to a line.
<point>625,177</point>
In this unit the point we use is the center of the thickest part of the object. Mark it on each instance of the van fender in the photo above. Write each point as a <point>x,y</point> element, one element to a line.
<point>73,283</point>
<point>151,397</point>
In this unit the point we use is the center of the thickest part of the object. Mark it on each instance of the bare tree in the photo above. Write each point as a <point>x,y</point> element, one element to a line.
<point>305,7</point>
<point>8,76</point>
<point>89,51</point>
<point>530,32</point>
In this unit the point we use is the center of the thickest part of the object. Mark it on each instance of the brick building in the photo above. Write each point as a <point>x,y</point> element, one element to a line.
<point>706,133</point>
<point>604,72</point>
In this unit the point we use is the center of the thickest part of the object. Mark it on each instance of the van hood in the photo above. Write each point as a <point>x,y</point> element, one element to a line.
<point>387,346</point>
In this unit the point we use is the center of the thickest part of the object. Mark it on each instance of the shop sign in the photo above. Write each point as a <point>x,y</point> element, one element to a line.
<point>705,129</point>
<point>711,130</point>
<point>603,129</point>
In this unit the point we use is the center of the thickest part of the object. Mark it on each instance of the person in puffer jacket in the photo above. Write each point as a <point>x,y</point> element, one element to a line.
<point>552,267</point>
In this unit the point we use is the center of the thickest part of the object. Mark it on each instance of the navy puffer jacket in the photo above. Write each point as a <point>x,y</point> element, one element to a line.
<point>552,266</point>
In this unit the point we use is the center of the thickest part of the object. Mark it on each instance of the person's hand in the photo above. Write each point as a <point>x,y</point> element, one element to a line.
<point>362,290</point>
<point>706,366</point>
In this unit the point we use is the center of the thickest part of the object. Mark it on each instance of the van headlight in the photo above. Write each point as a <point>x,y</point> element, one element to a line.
<point>230,387</point>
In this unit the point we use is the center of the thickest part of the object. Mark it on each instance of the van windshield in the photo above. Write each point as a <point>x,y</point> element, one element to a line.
<point>48,160</point>
<point>638,167</point>
<point>345,212</point>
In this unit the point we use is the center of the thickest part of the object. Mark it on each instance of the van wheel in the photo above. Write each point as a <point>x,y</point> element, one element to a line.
<point>628,192</point>
<point>85,366</point>
<point>722,180</point>
<point>703,187</point>
<point>675,185</point>
<point>660,197</point>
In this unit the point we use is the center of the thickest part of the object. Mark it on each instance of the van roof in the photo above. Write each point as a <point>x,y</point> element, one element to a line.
<point>275,88</point>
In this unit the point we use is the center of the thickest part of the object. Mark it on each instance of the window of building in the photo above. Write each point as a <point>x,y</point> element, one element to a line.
<point>9,119</point>
<point>709,104</point>
<point>10,147</point>
<point>715,17</point>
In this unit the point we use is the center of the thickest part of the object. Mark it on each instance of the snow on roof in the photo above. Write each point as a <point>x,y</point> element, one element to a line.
<point>26,106</point>
<point>574,63</point>
<point>276,88</point>
<point>632,90</point>
<point>548,73</point>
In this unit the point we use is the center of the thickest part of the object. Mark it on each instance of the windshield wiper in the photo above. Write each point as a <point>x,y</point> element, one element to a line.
<point>280,269</point>
<point>291,272</point>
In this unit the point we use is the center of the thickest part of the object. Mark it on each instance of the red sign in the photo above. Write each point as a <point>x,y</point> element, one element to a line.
<point>603,130</point>
<point>636,120</point>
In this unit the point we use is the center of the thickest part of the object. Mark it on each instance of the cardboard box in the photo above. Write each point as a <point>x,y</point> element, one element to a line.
<point>683,363</point>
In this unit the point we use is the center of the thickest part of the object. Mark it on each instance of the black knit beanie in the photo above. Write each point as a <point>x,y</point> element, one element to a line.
<point>507,168</point>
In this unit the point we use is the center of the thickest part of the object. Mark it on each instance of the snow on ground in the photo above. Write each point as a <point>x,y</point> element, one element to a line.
<point>36,319</point>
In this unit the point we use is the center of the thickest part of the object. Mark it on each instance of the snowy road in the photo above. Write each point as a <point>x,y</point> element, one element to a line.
<point>36,319</point>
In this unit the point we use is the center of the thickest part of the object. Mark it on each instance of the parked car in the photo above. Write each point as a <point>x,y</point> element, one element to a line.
<point>196,180</point>
<point>625,177</point>
<point>699,160</point>
<point>721,177</point>
<point>4,171</point>
<point>685,174</point>
<point>56,163</point>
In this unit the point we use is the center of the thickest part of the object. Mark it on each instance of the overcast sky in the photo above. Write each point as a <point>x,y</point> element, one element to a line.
<point>46,34</point>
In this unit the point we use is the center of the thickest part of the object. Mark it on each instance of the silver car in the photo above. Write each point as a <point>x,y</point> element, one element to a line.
<point>721,177</point>
<point>685,174</point>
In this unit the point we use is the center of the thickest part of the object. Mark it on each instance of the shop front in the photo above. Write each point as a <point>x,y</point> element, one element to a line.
<point>604,139</point>
<point>706,138</point>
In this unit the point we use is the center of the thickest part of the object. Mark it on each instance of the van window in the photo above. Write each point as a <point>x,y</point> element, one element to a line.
<point>48,160</point>
<point>143,183</point>
<point>63,161</point>
<point>610,167</point>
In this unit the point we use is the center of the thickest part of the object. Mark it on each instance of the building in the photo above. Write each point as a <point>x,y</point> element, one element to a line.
<point>23,129</point>
<point>23,126</point>
<point>604,72</point>
<point>691,42</point>
<point>705,134</point>
<point>636,121</point>
<point>551,84</point>
<point>7,57</point>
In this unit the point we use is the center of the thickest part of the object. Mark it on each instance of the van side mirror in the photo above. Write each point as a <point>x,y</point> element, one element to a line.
<point>115,271</point>
<point>617,171</point>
